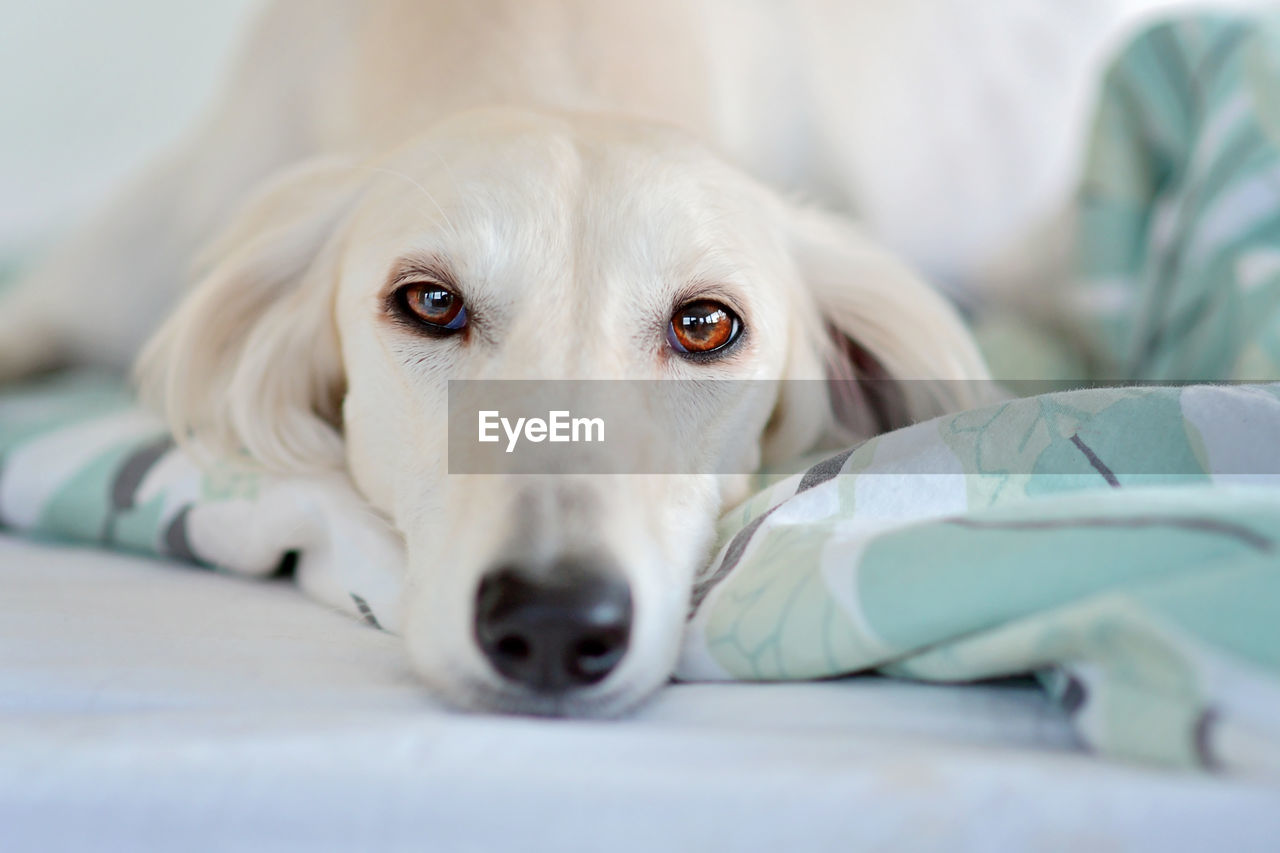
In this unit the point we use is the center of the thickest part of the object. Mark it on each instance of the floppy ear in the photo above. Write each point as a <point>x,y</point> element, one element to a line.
<point>249,361</point>
<point>891,349</point>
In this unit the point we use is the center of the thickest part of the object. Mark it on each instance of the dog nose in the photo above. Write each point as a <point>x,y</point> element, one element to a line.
<point>568,629</point>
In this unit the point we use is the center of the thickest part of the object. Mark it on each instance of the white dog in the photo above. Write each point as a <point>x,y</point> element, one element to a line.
<point>411,192</point>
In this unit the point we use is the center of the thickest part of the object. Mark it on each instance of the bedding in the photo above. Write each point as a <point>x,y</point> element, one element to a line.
<point>1178,248</point>
<point>1148,610</point>
<point>1120,543</point>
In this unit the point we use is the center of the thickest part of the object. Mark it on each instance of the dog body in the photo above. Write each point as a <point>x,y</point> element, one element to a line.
<point>557,174</point>
<point>356,80</point>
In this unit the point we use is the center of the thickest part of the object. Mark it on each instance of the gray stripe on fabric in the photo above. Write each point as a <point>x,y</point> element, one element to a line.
<point>134,471</point>
<point>1098,464</point>
<point>1203,737</point>
<point>366,612</point>
<point>825,470</point>
<point>1251,538</point>
<point>176,542</point>
<point>1074,696</point>
<point>732,556</point>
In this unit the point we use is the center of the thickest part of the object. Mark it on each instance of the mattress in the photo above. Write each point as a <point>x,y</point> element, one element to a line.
<point>152,705</point>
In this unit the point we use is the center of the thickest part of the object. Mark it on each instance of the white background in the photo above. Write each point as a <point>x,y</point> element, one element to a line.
<point>89,90</point>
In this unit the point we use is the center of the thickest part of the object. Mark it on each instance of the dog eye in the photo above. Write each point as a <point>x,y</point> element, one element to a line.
<point>434,305</point>
<point>703,326</point>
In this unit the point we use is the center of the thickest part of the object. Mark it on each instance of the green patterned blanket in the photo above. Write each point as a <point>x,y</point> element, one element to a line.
<point>1122,544</point>
<point>1179,213</point>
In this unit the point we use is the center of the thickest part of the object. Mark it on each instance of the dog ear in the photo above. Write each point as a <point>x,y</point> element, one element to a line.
<point>890,349</point>
<point>249,361</point>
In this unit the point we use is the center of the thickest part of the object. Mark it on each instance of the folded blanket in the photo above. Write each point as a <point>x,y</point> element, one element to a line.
<point>1036,536</point>
<point>1121,543</point>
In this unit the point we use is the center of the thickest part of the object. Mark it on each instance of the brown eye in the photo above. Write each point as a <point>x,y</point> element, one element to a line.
<point>433,304</point>
<point>703,327</point>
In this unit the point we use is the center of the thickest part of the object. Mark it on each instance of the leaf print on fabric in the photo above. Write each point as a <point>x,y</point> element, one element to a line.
<point>772,598</point>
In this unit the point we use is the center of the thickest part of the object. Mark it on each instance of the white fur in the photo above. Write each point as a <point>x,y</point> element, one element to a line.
<point>573,216</point>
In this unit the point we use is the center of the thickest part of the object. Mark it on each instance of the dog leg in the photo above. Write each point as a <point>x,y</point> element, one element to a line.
<point>97,298</point>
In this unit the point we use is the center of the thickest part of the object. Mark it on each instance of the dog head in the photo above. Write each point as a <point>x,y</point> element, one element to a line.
<point>513,245</point>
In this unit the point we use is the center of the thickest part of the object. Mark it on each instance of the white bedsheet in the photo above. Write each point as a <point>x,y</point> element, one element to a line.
<point>151,706</point>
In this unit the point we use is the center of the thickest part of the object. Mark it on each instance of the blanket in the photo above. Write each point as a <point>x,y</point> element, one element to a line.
<point>1122,543</point>
<point>1119,543</point>
<point>1178,251</point>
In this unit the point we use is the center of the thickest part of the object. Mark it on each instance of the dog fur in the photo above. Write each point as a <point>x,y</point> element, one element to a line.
<point>580,169</point>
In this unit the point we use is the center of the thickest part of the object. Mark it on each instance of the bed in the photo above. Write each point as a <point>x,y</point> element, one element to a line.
<point>150,702</point>
<point>152,706</point>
